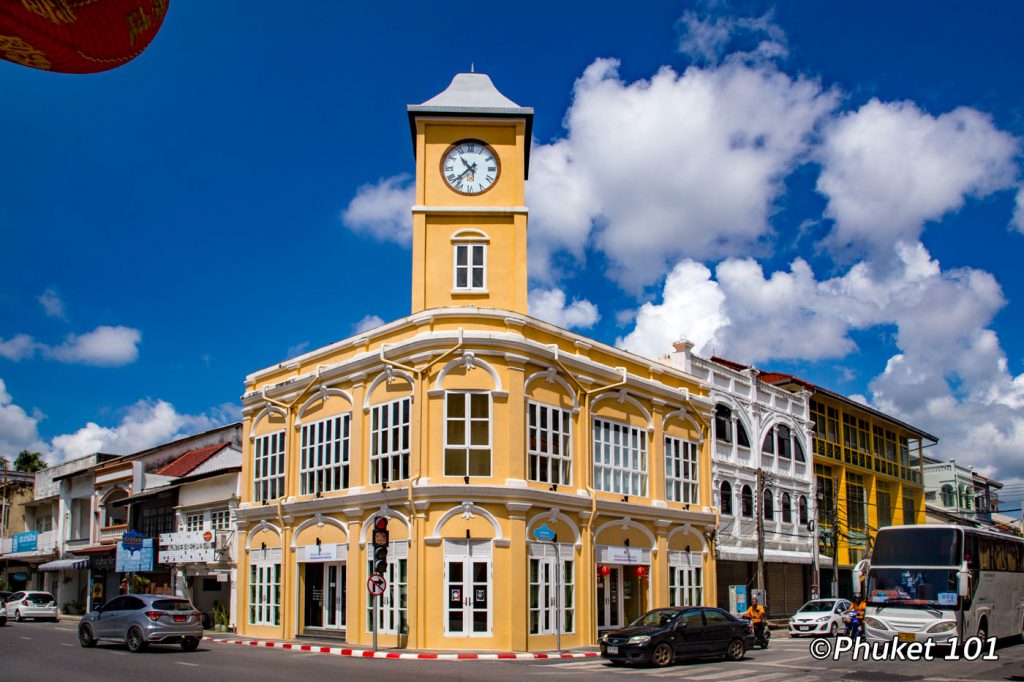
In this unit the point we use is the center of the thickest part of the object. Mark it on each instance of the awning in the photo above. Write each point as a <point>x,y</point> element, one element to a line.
<point>64,565</point>
<point>771,555</point>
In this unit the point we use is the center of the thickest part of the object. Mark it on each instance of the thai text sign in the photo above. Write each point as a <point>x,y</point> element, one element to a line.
<point>137,560</point>
<point>188,547</point>
<point>25,542</point>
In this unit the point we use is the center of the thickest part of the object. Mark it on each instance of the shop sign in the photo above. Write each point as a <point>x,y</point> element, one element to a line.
<point>188,547</point>
<point>544,532</point>
<point>25,542</point>
<point>138,559</point>
<point>627,556</point>
<point>320,553</point>
<point>102,562</point>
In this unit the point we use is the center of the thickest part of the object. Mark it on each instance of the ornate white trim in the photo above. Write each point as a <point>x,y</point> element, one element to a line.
<point>319,521</point>
<point>552,516</point>
<point>321,394</point>
<point>686,528</point>
<point>383,511</point>
<point>469,360</point>
<point>259,528</point>
<point>625,524</point>
<point>267,409</point>
<point>684,416</point>
<point>388,374</point>
<point>551,376</point>
<point>468,510</point>
<point>623,396</point>
<point>470,235</point>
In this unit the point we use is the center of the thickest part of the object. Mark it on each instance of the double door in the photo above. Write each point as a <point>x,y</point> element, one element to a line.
<point>468,587</point>
<point>609,600</point>
<point>325,595</point>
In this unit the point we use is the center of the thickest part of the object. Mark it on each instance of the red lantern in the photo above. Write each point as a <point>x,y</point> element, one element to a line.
<point>641,571</point>
<point>604,571</point>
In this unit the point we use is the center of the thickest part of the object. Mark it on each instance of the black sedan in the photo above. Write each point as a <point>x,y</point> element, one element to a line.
<point>662,636</point>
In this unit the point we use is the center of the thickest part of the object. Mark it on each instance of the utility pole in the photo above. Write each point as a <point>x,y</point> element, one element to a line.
<point>834,521</point>
<point>760,530</point>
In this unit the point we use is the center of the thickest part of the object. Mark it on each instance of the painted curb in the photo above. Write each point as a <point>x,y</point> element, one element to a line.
<point>392,655</point>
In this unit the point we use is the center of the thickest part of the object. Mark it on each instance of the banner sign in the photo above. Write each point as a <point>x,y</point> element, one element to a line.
<point>137,560</point>
<point>188,547</point>
<point>25,542</point>
<point>319,553</point>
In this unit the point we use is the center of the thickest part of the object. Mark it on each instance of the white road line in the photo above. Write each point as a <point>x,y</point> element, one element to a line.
<point>712,675</point>
<point>118,653</point>
<point>65,629</point>
<point>194,665</point>
<point>790,660</point>
<point>23,637</point>
<point>66,644</point>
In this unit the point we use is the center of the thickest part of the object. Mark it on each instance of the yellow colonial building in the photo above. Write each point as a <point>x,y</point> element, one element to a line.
<point>470,426</point>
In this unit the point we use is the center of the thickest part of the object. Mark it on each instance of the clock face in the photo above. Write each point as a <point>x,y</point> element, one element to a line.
<point>470,167</point>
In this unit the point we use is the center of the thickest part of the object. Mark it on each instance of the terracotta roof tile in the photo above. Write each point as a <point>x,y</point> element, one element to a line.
<point>189,461</point>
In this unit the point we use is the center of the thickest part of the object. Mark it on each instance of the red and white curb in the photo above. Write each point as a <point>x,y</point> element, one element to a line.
<point>403,656</point>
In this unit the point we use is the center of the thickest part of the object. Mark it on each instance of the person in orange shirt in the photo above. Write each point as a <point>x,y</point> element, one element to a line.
<point>757,616</point>
<point>860,606</point>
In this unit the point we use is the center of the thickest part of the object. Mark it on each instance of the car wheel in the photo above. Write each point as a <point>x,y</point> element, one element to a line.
<point>18,618</point>
<point>736,650</point>
<point>834,630</point>
<point>661,656</point>
<point>136,642</point>
<point>85,637</point>
<point>189,643</point>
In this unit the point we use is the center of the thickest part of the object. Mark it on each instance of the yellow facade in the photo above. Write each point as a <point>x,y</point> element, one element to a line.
<point>469,425</point>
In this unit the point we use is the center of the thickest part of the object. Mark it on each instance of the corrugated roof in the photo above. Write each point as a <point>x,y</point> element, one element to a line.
<point>187,463</point>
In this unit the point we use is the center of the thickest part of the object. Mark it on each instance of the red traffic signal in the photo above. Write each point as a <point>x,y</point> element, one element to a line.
<point>380,523</point>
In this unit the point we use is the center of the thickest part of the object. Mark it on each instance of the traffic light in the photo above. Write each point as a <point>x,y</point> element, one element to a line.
<point>380,544</point>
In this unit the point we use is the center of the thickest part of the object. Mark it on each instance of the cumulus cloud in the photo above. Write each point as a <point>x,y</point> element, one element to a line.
<point>18,428</point>
<point>383,210</point>
<point>708,39</point>
<point>104,347</point>
<point>1018,213</point>
<point>367,323</point>
<point>887,168</point>
<point>549,305</point>
<point>52,304</point>
<point>20,347</point>
<point>707,150</point>
<point>297,349</point>
<point>143,425</point>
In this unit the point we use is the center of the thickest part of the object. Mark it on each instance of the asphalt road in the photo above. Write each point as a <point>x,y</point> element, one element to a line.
<point>50,651</point>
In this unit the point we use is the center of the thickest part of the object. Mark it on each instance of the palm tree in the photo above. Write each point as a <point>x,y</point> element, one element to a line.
<point>29,461</point>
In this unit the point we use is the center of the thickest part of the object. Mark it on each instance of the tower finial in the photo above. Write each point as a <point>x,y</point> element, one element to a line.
<point>472,67</point>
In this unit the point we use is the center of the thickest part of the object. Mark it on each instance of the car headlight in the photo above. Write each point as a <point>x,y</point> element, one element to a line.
<point>639,639</point>
<point>603,639</point>
<point>875,623</point>
<point>944,626</point>
<point>824,619</point>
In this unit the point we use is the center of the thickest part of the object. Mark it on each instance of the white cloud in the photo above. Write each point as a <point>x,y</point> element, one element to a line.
<point>887,168</point>
<point>20,347</point>
<point>18,429</point>
<point>297,349</point>
<point>549,305</point>
<point>383,210</point>
<point>709,39</point>
<point>367,323</point>
<point>52,304</point>
<point>104,346</point>
<point>144,424</point>
<point>1018,211</point>
<point>706,150</point>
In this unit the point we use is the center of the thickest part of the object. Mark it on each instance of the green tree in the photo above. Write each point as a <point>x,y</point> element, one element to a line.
<point>29,461</point>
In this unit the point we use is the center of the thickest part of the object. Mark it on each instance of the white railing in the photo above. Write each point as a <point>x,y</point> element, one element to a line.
<point>110,534</point>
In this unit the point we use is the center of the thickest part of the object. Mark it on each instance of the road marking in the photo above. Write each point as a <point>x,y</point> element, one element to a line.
<point>65,629</point>
<point>194,665</point>
<point>23,637</point>
<point>66,644</point>
<point>790,660</point>
<point>118,653</point>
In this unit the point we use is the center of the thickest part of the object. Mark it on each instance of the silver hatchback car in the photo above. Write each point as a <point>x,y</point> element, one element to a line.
<point>139,620</point>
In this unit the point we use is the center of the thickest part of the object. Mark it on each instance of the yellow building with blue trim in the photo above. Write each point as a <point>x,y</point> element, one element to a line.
<point>470,424</point>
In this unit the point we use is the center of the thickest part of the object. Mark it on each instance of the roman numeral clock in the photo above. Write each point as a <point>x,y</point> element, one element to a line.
<point>470,167</point>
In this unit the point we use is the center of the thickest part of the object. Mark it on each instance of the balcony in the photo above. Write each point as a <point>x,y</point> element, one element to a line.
<point>110,535</point>
<point>46,542</point>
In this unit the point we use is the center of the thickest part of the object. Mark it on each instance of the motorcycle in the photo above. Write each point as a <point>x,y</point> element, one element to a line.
<point>762,635</point>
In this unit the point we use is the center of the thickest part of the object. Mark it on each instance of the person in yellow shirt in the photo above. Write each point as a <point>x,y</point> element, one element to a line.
<point>860,606</point>
<point>757,615</point>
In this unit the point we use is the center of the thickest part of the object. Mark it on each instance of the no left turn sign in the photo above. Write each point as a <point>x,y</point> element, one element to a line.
<point>376,584</point>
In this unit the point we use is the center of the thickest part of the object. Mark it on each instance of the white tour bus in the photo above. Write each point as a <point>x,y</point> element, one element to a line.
<point>936,582</point>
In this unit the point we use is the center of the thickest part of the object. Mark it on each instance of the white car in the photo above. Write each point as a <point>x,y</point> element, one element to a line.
<point>819,618</point>
<point>27,604</point>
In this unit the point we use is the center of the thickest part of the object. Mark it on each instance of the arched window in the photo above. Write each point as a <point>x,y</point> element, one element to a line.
<point>747,502</point>
<point>723,424</point>
<point>798,451</point>
<point>741,435</point>
<point>768,444</point>
<point>802,507</point>
<point>725,501</point>
<point>965,497</point>
<point>767,506</point>
<point>783,443</point>
<point>787,510</point>
<point>948,496</point>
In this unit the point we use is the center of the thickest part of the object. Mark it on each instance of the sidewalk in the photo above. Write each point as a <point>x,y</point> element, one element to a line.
<point>397,654</point>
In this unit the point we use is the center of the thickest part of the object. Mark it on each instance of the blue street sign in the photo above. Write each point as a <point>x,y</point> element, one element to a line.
<point>542,532</point>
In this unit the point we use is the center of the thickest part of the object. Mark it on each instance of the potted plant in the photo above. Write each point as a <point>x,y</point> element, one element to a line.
<point>220,617</point>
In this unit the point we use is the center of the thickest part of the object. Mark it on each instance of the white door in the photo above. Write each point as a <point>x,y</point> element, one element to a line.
<point>609,599</point>
<point>468,590</point>
<point>334,596</point>
<point>551,591</point>
<point>393,605</point>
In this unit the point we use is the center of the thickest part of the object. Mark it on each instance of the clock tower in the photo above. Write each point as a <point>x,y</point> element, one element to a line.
<point>472,149</point>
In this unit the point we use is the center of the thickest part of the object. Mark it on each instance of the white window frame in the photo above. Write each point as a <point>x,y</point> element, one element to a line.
<point>194,521</point>
<point>220,519</point>
<point>685,579</point>
<point>382,440</point>
<point>612,472</point>
<point>467,552</point>
<point>681,474</point>
<point>561,433</point>
<point>470,248</point>
<point>467,424</point>
<point>324,455</point>
<point>392,617</point>
<point>265,587</point>
<point>268,466</point>
<point>554,557</point>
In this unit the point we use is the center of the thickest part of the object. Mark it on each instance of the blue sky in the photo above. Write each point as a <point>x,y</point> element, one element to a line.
<point>832,193</point>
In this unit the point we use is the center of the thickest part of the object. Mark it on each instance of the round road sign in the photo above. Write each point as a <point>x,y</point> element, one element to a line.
<point>376,584</point>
